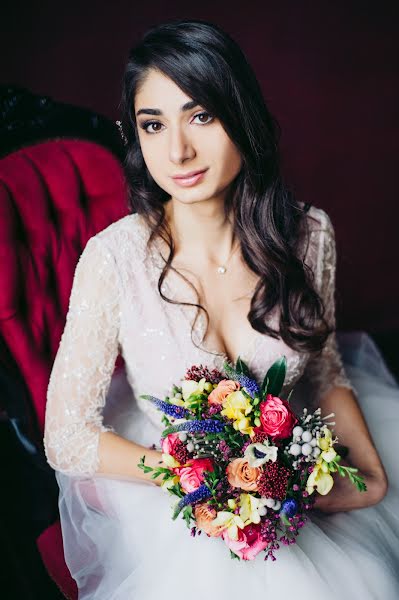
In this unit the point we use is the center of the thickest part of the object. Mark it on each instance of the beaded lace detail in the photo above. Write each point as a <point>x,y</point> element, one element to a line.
<point>115,307</point>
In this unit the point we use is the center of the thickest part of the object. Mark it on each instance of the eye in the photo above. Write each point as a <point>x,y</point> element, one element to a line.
<point>148,124</point>
<point>206,114</point>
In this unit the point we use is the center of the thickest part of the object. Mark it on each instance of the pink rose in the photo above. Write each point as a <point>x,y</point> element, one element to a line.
<point>223,389</point>
<point>192,474</point>
<point>248,544</point>
<point>276,417</point>
<point>170,443</point>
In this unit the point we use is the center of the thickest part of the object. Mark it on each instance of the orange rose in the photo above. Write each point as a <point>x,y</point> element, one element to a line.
<point>204,516</point>
<point>223,389</point>
<point>241,475</point>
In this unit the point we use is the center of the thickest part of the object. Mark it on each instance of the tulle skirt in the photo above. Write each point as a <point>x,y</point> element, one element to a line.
<point>120,542</point>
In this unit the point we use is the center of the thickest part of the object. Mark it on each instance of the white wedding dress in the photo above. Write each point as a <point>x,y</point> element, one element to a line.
<point>120,542</point>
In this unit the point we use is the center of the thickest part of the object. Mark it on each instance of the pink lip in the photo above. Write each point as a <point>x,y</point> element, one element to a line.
<point>189,179</point>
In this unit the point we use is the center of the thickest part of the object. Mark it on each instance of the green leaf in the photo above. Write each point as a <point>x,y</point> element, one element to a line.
<point>276,377</point>
<point>229,370</point>
<point>233,555</point>
<point>242,368</point>
<point>141,465</point>
<point>187,515</point>
<point>165,420</point>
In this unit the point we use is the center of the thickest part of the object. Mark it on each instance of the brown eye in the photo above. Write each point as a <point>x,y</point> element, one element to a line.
<point>207,116</point>
<point>148,124</point>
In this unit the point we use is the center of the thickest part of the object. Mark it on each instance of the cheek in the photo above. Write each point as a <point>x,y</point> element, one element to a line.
<point>230,160</point>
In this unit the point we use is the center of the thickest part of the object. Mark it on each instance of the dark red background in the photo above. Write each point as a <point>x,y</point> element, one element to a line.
<point>329,72</point>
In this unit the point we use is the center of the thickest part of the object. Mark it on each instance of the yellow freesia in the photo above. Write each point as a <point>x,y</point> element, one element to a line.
<point>165,485</point>
<point>244,425</point>
<point>320,479</point>
<point>249,509</point>
<point>177,401</point>
<point>230,521</point>
<point>326,442</point>
<point>328,455</point>
<point>236,407</point>
<point>188,387</point>
<point>169,461</point>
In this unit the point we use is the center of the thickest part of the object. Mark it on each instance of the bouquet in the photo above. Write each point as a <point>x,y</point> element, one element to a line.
<point>242,464</point>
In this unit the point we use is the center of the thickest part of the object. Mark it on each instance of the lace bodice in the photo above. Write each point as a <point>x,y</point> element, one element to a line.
<point>115,307</point>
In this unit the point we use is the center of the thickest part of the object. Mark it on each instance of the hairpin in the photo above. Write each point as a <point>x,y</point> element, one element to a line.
<point>124,138</point>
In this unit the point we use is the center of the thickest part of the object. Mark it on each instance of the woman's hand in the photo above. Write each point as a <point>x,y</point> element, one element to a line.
<point>352,432</point>
<point>120,458</point>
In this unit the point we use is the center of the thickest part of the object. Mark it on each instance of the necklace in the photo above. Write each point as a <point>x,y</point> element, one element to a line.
<point>222,269</point>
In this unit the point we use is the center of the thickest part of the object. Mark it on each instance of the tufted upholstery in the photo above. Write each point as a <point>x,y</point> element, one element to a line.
<point>54,196</point>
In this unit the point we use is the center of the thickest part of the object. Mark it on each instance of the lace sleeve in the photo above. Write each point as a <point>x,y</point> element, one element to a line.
<point>326,369</point>
<point>84,364</point>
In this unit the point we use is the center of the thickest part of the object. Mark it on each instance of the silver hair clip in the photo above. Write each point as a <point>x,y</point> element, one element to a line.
<point>124,138</point>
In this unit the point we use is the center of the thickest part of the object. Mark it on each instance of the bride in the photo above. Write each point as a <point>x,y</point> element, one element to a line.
<point>214,234</point>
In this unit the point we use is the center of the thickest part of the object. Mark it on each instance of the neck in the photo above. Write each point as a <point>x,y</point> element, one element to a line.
<point>201,232</point>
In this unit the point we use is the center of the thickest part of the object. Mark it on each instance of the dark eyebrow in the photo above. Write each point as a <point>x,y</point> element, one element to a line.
<point>156,111</point>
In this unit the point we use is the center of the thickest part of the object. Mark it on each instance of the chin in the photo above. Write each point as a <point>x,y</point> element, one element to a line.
<point>191,196</point>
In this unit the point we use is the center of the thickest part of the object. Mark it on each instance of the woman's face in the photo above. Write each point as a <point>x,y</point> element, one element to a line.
<point>178,137</point>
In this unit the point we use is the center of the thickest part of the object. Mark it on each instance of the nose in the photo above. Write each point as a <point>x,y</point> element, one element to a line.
<point>180,146</point>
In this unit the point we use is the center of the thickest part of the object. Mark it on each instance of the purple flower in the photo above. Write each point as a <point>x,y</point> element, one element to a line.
<point>172,410</point>
<point>250,385</point>
<point>201,493</point>
<point>289,507</point>
<point>206,426</point>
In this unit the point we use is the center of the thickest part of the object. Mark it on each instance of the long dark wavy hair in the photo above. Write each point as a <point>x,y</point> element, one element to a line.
<point>209,66</point>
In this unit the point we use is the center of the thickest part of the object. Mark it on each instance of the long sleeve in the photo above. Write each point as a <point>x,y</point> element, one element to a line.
<point>326,370</point>
<point>84,364</point>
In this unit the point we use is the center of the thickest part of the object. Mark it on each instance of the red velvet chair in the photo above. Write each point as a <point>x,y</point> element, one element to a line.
<point>54,195</point>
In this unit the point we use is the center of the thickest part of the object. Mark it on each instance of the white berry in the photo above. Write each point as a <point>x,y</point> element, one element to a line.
<point>277,505</point>
<point>295,450</point>
<point>182,436</point>
<point>297,431</point>
<point>306,436</point>
<point>306,449</point>
<point>269,503</point>
<point>316,452</point>
<point>190,447</point>
<point>313,442</point>
<point>262,511</point>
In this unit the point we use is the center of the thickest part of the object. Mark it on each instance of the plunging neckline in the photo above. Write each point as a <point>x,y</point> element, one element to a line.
<point>217,356</point>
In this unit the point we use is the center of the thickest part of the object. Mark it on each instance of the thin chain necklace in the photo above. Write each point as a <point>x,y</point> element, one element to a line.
<point>222,269</point>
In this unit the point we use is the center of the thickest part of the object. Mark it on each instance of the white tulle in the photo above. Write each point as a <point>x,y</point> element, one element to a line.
<point>119,539</point>
<point>121,544</point>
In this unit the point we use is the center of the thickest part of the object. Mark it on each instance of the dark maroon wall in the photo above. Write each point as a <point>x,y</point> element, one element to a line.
<point>329,73</point>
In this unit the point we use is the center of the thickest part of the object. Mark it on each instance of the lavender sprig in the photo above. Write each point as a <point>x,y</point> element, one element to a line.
<point>201,493</point>
<point>172,410</point>
<point>206,426</point>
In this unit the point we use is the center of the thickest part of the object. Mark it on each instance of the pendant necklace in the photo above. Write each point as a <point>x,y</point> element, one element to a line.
<point>222,269</point>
